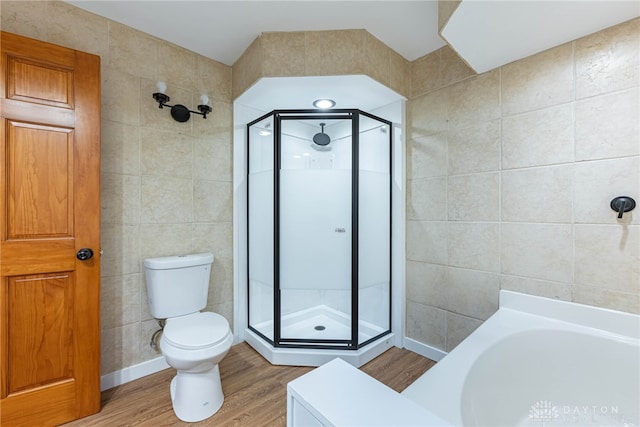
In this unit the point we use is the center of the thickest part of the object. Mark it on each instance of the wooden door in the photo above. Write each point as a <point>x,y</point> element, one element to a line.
<point>49,209</point>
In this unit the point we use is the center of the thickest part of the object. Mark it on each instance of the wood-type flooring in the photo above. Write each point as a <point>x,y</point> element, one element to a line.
<point>255,391</point>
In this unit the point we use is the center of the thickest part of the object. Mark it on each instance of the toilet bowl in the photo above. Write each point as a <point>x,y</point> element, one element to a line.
<point>193,342</point>
<point>194,345</point>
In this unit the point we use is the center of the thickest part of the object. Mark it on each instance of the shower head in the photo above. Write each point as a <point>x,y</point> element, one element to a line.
<point>321,138</point>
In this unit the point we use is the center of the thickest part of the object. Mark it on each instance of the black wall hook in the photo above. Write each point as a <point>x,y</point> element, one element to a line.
<point>622,204</point>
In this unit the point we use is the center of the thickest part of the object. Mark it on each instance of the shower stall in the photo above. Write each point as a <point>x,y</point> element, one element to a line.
<point>319,187</point>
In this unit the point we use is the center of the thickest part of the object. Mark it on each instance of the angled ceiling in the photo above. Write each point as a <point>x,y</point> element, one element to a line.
<point>222,30</point>
<point>486,33</point>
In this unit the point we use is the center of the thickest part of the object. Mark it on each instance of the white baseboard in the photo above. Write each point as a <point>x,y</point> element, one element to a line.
<point>131,373</point>
<point>123,376</point>
<point>424,349</point>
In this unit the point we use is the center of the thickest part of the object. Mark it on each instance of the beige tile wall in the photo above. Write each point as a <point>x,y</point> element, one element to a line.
<point>445,10</point>
<point>510,175</point>
<point>166,186</point>
<point>320,53</point>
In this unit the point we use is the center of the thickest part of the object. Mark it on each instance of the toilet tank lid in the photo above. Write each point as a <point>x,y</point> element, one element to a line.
<point>168,262</point>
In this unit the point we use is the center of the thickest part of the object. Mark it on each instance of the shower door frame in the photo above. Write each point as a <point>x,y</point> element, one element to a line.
<point>310,114</point>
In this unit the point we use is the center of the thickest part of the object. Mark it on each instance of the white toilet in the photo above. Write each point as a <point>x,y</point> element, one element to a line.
<point>192,342</point>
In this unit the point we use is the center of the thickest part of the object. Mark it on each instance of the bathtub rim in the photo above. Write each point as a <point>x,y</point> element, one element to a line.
<point>603,319</point>
<point>440,389</point>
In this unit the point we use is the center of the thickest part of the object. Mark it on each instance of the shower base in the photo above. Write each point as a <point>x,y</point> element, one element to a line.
<point>320,322</point>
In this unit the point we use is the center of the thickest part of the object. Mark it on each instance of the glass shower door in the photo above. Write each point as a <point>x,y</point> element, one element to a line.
<point>319,228</point>
<point>374,223</point>
<point>261,226</point>
<point>315,231</point>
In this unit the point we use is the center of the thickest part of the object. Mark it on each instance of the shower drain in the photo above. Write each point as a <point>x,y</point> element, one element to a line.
<point>319,328</point>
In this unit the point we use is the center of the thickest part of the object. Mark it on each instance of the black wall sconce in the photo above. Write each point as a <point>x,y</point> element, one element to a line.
<point>179,112</point>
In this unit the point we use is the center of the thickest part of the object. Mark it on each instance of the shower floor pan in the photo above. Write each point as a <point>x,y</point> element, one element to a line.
<point>320,322</point>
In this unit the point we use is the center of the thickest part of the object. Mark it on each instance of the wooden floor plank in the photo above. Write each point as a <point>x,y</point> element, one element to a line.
<point>255,391</point>
<point>398,369</point>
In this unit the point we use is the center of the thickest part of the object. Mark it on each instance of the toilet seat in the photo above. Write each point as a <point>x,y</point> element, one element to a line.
<point>196,331</point>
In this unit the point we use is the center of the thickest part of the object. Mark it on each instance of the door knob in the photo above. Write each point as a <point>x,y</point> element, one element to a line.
<point>84,254</point>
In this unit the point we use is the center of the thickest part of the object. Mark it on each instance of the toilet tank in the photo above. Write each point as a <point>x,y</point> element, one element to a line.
<point>177,285</point>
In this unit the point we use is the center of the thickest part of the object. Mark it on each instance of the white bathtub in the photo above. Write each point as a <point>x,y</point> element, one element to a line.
<point>539,361</point>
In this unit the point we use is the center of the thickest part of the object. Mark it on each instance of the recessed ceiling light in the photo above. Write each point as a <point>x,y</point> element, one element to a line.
<point>324,104</point>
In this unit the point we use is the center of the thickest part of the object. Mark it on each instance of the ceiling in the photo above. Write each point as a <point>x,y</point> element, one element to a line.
<point>299,93</point>
<point>479,30</point>
<point>222,30</point>
<point>487,33</point>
